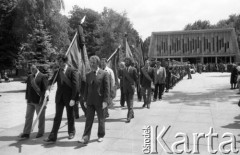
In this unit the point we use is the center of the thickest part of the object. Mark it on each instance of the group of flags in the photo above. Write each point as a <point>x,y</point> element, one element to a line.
<point>77,56</point>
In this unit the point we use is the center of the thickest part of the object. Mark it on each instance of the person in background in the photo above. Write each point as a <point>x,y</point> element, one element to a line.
<point>146,78</point>
<point>36,87</point>
<point>111,82</point>
<point>159,81</point>
<point>189,71</point>
<point>130,78</point>
<point>120,76</point>
<point>234,75</point>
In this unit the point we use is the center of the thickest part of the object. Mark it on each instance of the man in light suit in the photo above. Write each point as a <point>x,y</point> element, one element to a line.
<point>111,78</point>
<point>159,82</point>
<point>96,96</point>
<point>36,87</point>
<point>130,78</point>
<point>67,89</point>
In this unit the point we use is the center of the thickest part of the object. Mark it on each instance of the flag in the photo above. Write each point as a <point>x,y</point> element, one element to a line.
<point>113,64</point>
<point>128,51</point>
<point>77,56</point>
<point>138,54</point>
<point>139,47</point>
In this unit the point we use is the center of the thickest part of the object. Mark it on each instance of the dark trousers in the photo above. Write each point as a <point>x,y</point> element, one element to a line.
<point>146,95</point>
<point>76,107</point>
<point>122,99</point>
<point>189,75</point>
<point>31,108</point>
<point>129,99</point>
<point>58,118</point>
<point>76,110</point>
<point>159,89</point>
<point>89,121</point>
<point>139,92</point>
<point>105,112</point>
<point>167,83</point>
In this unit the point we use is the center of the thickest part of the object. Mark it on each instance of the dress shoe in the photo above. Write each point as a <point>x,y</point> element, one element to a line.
<point>148,106</point>
<point>143,105</point>
<point>48,140</point>
<point>83,141</point>
<point>100,139</point>
<point>24,136</point>
<point>71,136</point>
<point>39,135</point>
<point>128,120</point>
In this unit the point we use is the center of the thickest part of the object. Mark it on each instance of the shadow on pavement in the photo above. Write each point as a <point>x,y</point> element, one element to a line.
<point>234,125</point>
<point>221,95</point>
<point>13,91</point>
<point>109,120</point>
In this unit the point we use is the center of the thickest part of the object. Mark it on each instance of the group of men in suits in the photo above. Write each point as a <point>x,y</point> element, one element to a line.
<point>96,97</point>
<point>148,77</point>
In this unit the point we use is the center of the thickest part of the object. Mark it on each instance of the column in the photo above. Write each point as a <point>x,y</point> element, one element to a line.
<point>202,60</point>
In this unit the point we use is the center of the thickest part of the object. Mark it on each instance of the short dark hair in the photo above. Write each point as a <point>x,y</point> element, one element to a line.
<point>129,59</point>
<point>104,59</point>
<point>63,57</point>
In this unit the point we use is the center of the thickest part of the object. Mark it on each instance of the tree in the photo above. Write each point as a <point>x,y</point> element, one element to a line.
<point>90,27</point>
<point>38,47</point>
<point>8,41</point>
<point>198,25</point>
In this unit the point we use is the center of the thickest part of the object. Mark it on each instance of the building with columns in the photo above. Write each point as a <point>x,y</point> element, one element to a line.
<point>205,46</point>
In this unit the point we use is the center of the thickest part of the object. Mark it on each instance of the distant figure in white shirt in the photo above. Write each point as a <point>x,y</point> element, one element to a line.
<point>111,83</point>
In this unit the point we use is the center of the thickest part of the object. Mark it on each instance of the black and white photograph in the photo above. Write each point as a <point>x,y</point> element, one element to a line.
<point>119,77</point>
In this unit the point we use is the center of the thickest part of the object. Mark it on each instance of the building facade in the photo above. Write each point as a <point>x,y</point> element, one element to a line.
<point>205,46</point>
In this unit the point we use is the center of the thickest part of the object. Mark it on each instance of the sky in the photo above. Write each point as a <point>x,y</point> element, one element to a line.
<point>149,16</point>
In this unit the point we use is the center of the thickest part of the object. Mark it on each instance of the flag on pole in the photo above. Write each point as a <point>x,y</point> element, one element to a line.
<point>128,51</point>
<point>113,62</point>
<point>139,48</point>
<point>77,55</point>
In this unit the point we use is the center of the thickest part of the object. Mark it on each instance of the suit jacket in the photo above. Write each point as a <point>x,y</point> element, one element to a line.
<point>42,82</point>
<point>128,84</point>
<point>159,78</point>
<point>97,88</point>
<point>65,91</point>
<point>145,82</point>
<point>120,76</point>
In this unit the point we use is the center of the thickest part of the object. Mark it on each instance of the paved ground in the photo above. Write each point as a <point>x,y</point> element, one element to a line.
<point>192,106</point>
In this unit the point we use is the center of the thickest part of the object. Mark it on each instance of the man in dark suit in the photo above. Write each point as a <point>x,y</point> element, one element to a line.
<point>97,91</point>
<point>36,87</point>
<point>67,89</point>
<point>146,79</point>
<point>120,76</point>
<point>130,78</point>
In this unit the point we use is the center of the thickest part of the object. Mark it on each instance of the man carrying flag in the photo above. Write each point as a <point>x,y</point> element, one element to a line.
<point>67,87</point>
<point>68,80</point>
<point>36,87</point>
